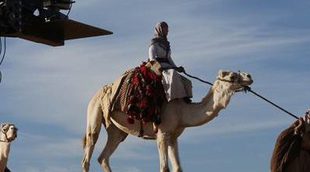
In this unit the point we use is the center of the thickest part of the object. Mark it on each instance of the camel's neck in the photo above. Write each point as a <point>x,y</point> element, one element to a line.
<point>197,114</point>
<point>4,151</point>
<point>3,138</point>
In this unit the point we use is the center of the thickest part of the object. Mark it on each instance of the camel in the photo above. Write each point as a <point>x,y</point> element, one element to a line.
<point>8,134</point>
<point>176,115</point>
<point>292,148</point>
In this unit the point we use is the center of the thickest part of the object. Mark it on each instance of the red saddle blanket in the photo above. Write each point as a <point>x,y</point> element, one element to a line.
<point>141,95</point>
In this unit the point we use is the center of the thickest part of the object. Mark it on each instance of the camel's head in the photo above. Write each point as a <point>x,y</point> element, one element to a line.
<point>290,143</point>
<point>234,80</point>
<point>8,131</point>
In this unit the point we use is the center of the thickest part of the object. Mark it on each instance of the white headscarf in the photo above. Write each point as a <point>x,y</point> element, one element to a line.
<point>159,30</point>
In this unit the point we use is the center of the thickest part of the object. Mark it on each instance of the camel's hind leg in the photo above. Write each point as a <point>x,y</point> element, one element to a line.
<point>115,137</point>
<point>94,122</point>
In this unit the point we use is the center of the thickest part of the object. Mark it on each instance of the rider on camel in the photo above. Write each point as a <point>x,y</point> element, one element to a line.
<point>175,85</point>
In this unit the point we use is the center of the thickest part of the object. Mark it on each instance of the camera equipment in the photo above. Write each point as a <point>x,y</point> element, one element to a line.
<point>43,21</point>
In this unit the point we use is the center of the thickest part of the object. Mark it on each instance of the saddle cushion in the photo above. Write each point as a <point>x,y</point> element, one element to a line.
<point>141,94</point>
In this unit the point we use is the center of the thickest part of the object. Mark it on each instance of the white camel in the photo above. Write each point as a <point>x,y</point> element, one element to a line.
<point>8,134</point>
<point>175,115</point>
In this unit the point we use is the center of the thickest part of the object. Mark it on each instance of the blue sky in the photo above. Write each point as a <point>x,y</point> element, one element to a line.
<point>45,90</point>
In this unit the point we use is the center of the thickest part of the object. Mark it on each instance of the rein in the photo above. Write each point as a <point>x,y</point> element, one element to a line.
<point>194,77</point>
<point>207,82</point>
<point>245,89</point>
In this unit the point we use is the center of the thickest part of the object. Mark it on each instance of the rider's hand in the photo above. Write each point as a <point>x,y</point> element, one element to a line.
<point>181,69</point>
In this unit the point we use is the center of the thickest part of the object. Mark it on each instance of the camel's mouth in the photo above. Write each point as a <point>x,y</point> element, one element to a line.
<point>246,79</point>
<point>13,135</point>
<point>12,138</point>
<point>246,82</point>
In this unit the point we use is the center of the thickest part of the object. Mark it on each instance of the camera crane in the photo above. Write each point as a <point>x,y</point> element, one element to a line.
<point>43,21</point>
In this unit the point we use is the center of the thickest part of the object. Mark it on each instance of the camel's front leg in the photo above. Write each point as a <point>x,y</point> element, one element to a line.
<point>174,155</point>
<point>162,144</point>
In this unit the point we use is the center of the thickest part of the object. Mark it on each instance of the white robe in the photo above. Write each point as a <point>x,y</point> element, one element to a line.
<point>175,85</point>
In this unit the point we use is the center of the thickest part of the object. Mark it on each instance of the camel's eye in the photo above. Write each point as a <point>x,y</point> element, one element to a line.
<point>232,77</point>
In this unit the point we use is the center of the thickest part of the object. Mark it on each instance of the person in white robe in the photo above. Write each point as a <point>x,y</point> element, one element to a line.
<point>175,85</point>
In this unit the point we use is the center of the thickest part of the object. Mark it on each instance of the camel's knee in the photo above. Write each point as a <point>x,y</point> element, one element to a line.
<point>103,160</point>
<point>178,169</point>
<point>89,144</point>
<point>85,165</point>
<point>85,162</point>
<point>165,169</point>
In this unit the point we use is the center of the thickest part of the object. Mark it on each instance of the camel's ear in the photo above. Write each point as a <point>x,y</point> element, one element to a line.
<point>222,73</point>
<point>307,120</point>
<point>299,126</point>
<point>307,116</point>
<point>4,127</point>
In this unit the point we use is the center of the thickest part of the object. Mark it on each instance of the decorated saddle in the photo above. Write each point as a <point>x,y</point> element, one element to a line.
<point>141,94</point>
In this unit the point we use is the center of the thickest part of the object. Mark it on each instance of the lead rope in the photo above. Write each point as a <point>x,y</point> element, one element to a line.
<point>247,88</point>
